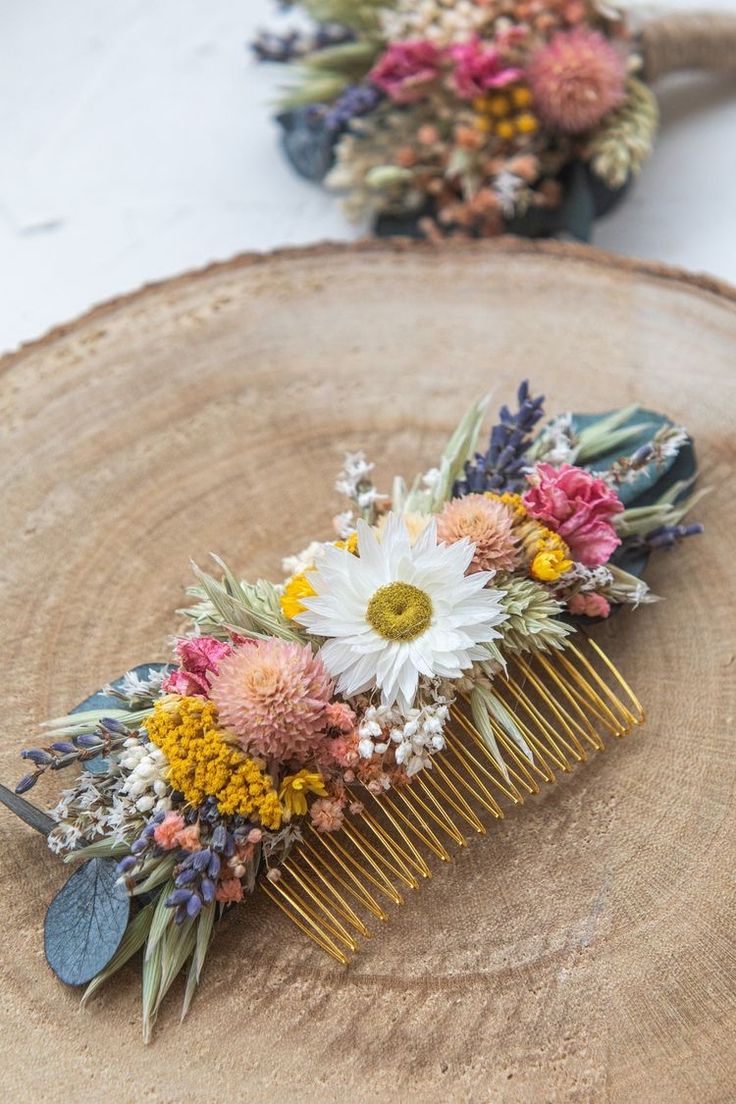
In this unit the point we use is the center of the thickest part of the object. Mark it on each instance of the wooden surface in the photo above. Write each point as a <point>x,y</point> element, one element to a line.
<point>582,951</point>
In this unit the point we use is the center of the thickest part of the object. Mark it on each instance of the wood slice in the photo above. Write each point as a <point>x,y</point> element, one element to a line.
<point>583,950</point>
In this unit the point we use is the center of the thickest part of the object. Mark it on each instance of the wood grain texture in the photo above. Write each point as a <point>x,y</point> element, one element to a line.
<point>583,951</point>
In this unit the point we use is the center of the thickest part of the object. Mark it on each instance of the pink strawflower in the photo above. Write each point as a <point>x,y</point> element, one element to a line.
<point>327,814</point>
<point>576,78</point>
<point>274,697</point>
<point>188,838</point>
<point>200,657</point>
<point>255,835</point>
<point>589,604</point>
<point>341,717</point>
<point>488,523</point>
<point>478,68</point>
<point>406,70</point>
<point>166,833</point>
<point>579,507</point>
<point>229,891</point>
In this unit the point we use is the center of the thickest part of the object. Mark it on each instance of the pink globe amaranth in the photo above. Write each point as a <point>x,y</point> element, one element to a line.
<point>479,68</point>
<point>578,506</point>
<point>576,79</point>
<point>589,604</point>
<point>273,696</point>
<point>405,71</point>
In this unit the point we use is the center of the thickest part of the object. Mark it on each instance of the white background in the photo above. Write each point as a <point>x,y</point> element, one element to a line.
<point>135,142</point>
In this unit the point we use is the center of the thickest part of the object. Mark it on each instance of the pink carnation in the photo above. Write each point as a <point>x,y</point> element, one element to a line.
<point>166,833</point>
<point>200,656</point>
<point>589,604</point>
<point>576,78</point>
<point>274,697</point>
<point>479,68</point>
<point>406,69</point>
<point>579,507</point>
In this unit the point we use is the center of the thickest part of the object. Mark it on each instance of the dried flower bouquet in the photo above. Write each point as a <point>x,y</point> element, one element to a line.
<point>290,707</point>
<point>467,117</point>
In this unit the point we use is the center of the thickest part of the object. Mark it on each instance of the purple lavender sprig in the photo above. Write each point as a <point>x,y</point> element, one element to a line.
<point>355,101</point>
<point>283,48</point>
<point>667,536</point>
<point>62,753</point>
<point>501,467</point>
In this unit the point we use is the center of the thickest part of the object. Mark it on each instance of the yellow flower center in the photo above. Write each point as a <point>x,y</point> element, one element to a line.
<point>399,611</point>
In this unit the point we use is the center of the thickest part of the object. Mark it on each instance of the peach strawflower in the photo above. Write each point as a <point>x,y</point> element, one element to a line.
<point>327,814</point>
<point>274,697</point>
<point>488,523</point>
<point>165,834</point>
<point>576,78</point>
<point>229,891</point>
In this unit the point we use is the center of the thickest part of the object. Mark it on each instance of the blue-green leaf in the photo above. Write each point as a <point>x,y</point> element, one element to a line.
<point>654,479</point>
<point>86,922</point>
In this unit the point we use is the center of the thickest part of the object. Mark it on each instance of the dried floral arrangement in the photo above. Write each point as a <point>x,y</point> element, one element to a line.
<point>321,738</point>
<point>467,117</point>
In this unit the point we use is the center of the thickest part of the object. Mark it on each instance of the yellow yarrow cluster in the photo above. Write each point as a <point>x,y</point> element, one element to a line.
<point>202,764</point>
<point>551,557</point>
<point>506,114</point>
<point>513,501</point>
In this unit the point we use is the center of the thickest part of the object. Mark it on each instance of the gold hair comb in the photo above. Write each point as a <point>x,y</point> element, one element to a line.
<point>565,704</point>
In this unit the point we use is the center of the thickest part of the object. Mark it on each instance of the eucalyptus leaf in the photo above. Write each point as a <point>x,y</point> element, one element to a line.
<point>26,811</point>
<point>307,142</point>
<point>86,922</point>
<point>134,938</point>
<point>648,422</point>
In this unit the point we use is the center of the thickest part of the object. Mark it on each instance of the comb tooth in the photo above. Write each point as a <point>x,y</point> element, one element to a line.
<point>312,898</point>
<point>379,856</point>
<point>432,808</point>
<point>630,718</point>
<point>347,878</point>
<point>507,787</point>
<point>414,822</point>
<point>583,715</point>
<point>440,781</point>
<point>470,780</point>
<point>590,700</point>
<point>522,769</point>
<point>406,849</point>
<point>614,671</point>
<point>374,875</point>
<point>330,892</point>
<point>520,778</point>
<point>545,732</point>
<point>570,741</point>
<point>300,916</point>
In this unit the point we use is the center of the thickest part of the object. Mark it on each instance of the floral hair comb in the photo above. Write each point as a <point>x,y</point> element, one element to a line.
<point>478,117</point>
<point>326,739</point>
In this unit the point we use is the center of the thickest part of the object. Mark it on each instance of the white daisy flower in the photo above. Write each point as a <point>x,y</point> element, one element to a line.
<point>398,611</point>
